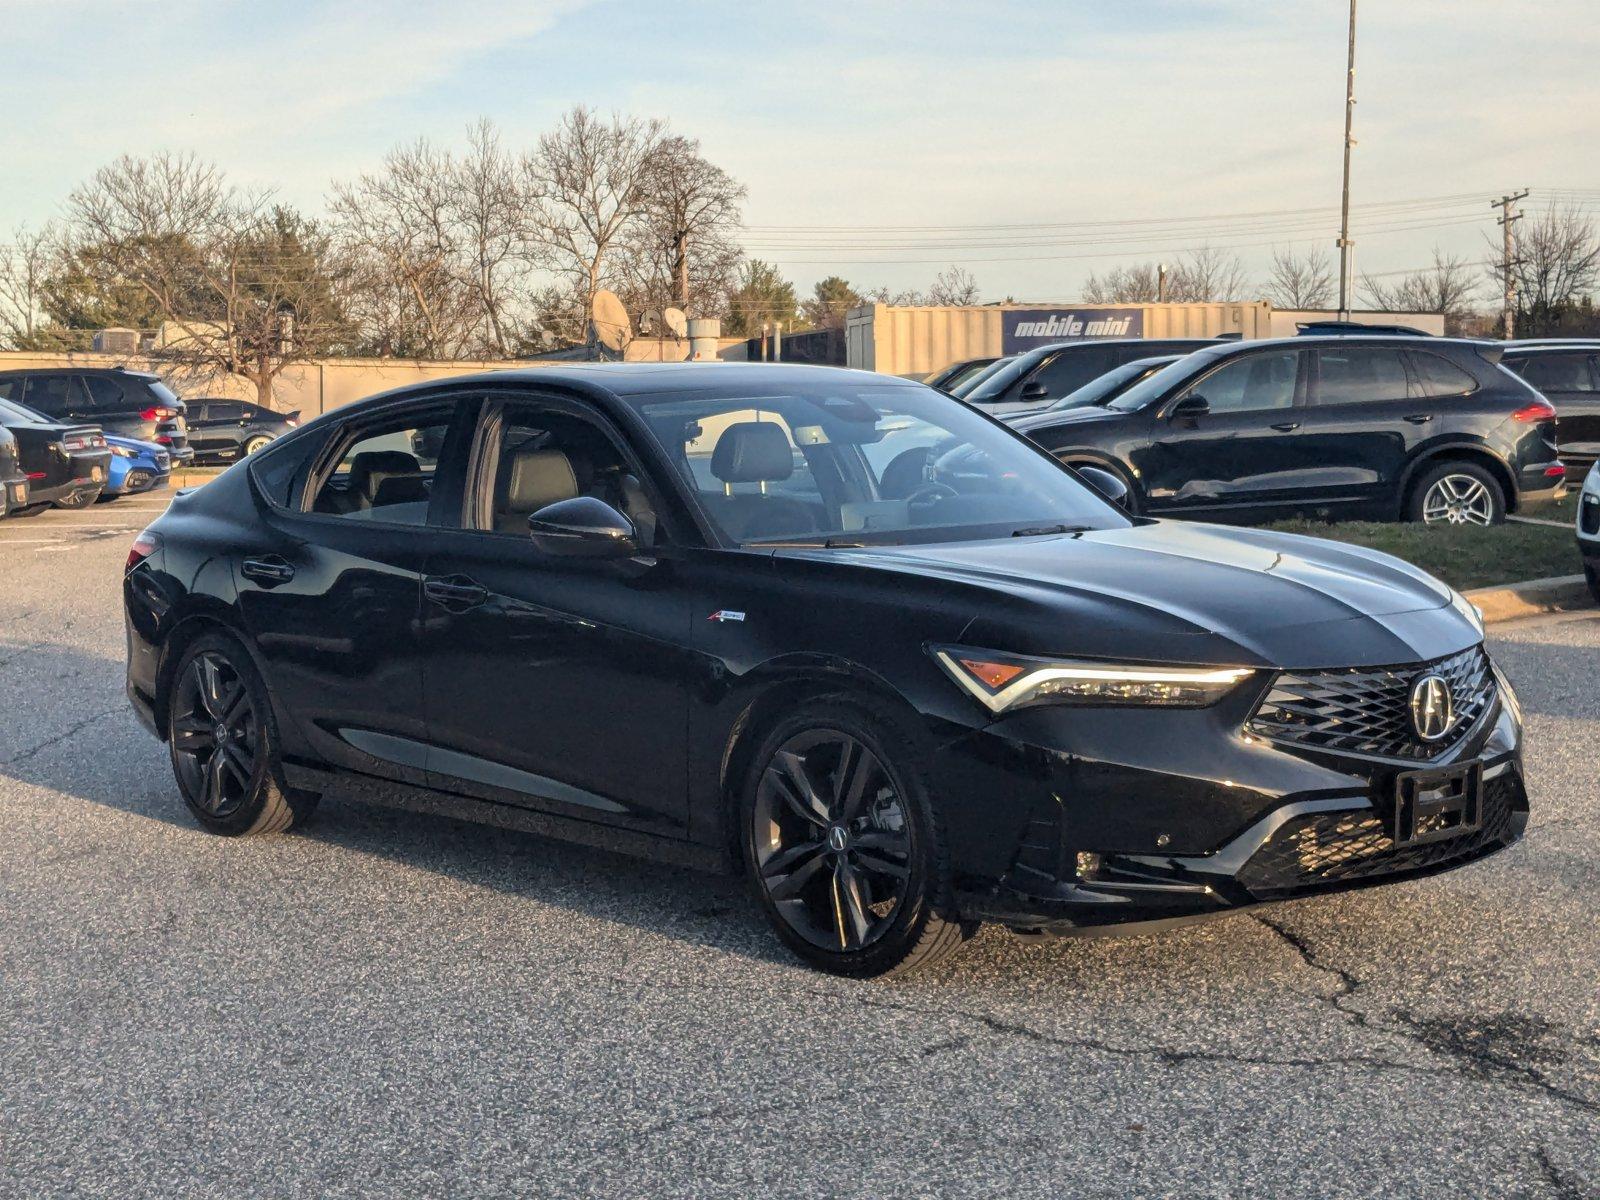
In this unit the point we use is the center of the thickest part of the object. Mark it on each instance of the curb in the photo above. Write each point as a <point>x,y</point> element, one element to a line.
<point>1535,596</point>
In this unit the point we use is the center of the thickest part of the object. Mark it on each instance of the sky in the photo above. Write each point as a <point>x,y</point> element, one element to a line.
<point>883,140</point>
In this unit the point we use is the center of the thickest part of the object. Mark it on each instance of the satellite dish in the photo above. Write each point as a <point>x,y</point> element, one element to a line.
<point>675,322</point>
<point>608,322</point>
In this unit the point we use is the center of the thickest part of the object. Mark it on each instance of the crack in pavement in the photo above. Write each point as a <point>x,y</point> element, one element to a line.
<point>1471,1051</point>
<point>21,652</point>
<point>1563,1187</point>
<point>58,738</point>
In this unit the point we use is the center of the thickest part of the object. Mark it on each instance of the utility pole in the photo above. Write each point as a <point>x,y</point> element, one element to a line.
<point>1509,217</point>
<point>1161,283</point>
<point>1345,244</point>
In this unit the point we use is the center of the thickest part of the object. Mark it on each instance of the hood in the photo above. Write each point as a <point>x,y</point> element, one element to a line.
<point>134,444</point>
<point>1088,414</point>
<point>1183,592</point>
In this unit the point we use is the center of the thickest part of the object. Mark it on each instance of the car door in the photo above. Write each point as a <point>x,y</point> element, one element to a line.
<point>330,587</point>
<point>1242,449</point>
<point>556,683</point>
<point>220,434</point>
<point>1571,383</point>
<point>59,397</point>
<point>1364,418</point>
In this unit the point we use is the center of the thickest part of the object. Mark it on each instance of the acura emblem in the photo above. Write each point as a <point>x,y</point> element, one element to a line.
<point>1432,711</point>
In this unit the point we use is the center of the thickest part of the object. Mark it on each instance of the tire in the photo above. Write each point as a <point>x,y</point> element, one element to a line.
<point>78,500</point>
<point>1456,493</point>
<point>107,497</point>
<point>252,444</point>
<point>233,785</point>
<point>881,904</point>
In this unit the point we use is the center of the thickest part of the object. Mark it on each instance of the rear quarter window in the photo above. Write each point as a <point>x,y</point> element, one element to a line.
<point>281,469</point>
<point>1438,376</point>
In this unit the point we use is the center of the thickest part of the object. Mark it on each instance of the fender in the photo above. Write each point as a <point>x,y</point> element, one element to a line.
<point>1461,446</point>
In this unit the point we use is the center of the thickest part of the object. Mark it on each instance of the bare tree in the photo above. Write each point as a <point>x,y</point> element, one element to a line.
<point>953,287</point>
<point>241,287</point>
<point>494,212</point>
<point>680,250</point>
<point>1123,285</point>
<point>1448,286</point>
<point>1208,274</point>
<point>409,291</point>
<point>24,272</point>
<point>1300,281</point>
<point>590,179</point>
<point>1557,266</point>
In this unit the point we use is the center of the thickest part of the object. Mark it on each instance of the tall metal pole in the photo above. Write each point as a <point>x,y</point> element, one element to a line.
<point>1344,203</point>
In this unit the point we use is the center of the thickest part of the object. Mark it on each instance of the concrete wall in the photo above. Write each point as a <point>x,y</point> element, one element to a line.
<point>315,387</point>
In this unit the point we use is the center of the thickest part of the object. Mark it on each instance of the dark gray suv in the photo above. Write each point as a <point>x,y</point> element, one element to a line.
<point>132,404</point>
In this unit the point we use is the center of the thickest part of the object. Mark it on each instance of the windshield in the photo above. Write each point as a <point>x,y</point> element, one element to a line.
<point>993,379</point>
<point>833,462</point>
<point>18,413</point>
<point>1112,384</point>
<point>1153,387</point>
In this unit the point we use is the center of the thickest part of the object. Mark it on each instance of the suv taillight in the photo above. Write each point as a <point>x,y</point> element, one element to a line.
<point>146,544</point>
<point>1539,410</point>
<point>158,414</point>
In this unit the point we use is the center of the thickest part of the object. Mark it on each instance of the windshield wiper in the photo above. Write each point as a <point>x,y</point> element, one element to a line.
<point>1043,530</point>
<point>830,543</point>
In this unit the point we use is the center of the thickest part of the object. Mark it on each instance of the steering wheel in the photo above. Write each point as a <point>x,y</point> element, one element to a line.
<point>926,495</point>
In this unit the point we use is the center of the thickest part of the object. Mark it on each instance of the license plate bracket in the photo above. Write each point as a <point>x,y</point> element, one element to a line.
<point>1440,803</point>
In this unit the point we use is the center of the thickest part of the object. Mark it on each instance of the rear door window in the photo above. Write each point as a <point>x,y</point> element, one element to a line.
<point>385,472</point>
<point>1559,372</point>
<point>1073,368</point>
<point>1359,374</point>
<point>104,393</point>
<point>223,410</point>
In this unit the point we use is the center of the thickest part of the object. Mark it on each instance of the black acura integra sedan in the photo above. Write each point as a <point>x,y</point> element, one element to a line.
<point>836,630</point>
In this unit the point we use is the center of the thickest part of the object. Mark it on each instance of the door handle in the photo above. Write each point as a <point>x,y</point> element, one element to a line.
<point>457,593</point>
<point>1420,418</point>
<point>1287,426</point>
<point>268,572</point>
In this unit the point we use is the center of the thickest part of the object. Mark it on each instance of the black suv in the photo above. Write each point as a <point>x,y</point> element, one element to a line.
<point>1567,373</point>
<point>1041,376</point>
<point>131,404</point>
<point>221,430</point>
<point>1428,429</point>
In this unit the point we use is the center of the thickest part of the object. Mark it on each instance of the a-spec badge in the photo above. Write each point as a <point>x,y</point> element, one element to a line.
<point>726,614</point>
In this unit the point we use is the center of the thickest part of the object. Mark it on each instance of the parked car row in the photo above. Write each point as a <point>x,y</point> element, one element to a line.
<point>51,464</point>
<point>1343,420</point>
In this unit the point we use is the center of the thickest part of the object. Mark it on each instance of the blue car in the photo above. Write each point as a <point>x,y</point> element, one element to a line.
<point>135,467</point>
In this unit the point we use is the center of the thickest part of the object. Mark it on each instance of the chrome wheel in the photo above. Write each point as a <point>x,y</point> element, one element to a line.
<point>1458,500</point>
<point>215,735</point>
<point>256,443</point>
<point>833,844</point>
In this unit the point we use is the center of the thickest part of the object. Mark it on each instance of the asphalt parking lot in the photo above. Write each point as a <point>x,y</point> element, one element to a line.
<point>389,1004</point>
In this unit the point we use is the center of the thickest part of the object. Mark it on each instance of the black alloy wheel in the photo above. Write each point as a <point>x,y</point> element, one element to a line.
<point>79,499</point>
<point>842,848</point>
<point>224,743</point>
<point>215,735</point>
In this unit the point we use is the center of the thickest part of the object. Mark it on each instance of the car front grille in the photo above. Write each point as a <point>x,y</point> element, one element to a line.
<point>1368,711</point>
<point>1330,848</point>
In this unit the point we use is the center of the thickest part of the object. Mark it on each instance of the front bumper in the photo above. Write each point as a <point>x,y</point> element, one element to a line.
<point>1178,814</point>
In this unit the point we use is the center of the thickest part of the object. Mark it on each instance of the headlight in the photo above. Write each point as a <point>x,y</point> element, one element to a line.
<point>1001,682</point>
<point>123,452</point>
<point>1467,609</point>
<point>1591,481</point>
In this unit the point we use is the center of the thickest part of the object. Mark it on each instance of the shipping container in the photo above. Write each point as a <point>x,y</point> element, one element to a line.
<point>915,342</point>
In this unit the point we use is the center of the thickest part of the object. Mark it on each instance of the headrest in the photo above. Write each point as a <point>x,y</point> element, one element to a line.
<point>535,478</point>
<point>753,452</point>
<point>370,468</point>
<point>400,489</point>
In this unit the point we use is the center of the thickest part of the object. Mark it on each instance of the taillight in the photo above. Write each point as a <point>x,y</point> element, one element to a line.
<point>1539,410</point>
<point>164,440</point>
<point>290,422</point>
<point>158,414</point>
<point>143,547</point>
<point>83,441</point>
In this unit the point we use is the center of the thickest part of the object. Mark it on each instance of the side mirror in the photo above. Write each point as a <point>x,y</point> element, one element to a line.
<point>1106,483</point>
<point>1034,390</point>
<point>583,527</point>
<point>1189,407</point>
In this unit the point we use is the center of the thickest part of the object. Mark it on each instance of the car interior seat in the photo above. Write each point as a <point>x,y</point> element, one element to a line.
<point>756,452</point>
